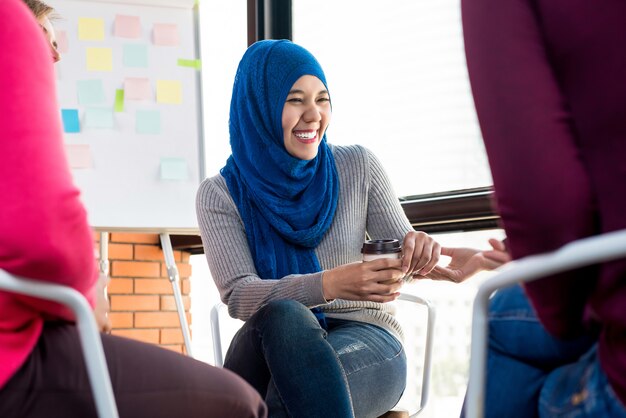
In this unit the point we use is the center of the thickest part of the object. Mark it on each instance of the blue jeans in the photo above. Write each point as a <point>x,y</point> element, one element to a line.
<point>352,370</point>
<point>533,374</point>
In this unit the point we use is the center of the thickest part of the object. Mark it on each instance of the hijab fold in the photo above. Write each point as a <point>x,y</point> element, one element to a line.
<point>287,205</point>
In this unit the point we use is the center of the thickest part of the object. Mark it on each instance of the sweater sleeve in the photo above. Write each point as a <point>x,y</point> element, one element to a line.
<point>44,232</point>
<point>231,263</point>
<point>385,216</point>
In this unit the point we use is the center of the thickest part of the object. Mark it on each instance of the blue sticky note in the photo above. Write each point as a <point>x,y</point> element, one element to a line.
<point>135,55</point>
<point>71,123</point>
<point>173,169</point>
<point>90,92</point>
<point>148,122</point>
<point>98,117</point>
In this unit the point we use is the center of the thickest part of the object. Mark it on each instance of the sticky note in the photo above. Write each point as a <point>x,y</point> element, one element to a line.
<point>119,101</point>
<point>169,91</point>
<point>96,117</point>
<point>173,169</point>
<point>137,89</point>
<point>190,63</point>
<point>148,122</point>
<point>78,155</point>
<point>90,92</point>
<point>127,27</point>
<point>62,43</point>
<point>135,55</point>
<point>99,59</point>
<point>90,29</point>
<point>165,34</point>
<point>71,123</point>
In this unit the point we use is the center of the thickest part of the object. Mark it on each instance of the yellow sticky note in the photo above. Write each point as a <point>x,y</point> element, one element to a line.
<point>169,91</point>
<point>99,59</point>
<point>90,29</point>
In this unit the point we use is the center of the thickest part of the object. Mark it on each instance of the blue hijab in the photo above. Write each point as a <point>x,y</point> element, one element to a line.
<point>287,204</point>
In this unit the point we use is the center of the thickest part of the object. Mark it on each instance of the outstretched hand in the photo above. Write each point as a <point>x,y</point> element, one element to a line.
<point>465,262</point>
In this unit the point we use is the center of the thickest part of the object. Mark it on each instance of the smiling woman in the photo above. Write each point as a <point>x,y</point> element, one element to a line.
<point>283,227</point>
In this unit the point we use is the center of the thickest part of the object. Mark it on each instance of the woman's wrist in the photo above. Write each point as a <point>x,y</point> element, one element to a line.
<point>327,290</point>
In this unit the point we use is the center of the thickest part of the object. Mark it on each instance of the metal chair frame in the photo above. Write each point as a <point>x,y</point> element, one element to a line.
<point>87,330</point>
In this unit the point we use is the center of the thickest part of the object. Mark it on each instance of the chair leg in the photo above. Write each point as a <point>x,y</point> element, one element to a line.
<point>395,414</point>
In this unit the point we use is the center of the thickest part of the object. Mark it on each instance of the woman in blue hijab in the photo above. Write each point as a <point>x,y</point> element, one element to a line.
<point>282,227</point>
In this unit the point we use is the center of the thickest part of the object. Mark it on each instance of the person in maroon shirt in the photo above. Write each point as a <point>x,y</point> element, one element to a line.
<point>549,85</point>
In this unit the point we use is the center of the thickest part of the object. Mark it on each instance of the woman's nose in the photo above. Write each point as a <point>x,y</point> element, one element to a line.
<point>56,57</point>
<point>312,114</point>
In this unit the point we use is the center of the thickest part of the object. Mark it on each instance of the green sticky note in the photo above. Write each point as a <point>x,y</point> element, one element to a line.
<point>98,118</point>
<point>90,92</point>
<point>135,56</point>
<point>119,100</point>
<point>197,64</point>
<point>148,122</point>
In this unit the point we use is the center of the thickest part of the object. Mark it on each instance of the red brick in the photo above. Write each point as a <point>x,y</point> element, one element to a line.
<point>153,286</point>
<point>135,238</point>
<point>117,286</point>
<point>148,252</point>
<point>134,303</point>
<point>120,251</point>
<point>121,319</point>
<point>172,336</point>
<point>134,269</point>
<point>156,320</point>
<point>185,286</point>
<point>145,335</point>
<point>169,304</point>
<point>184,270</point>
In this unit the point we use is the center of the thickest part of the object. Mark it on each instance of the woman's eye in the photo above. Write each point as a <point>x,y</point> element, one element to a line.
<point>323,99</point>
<point>294,100</point>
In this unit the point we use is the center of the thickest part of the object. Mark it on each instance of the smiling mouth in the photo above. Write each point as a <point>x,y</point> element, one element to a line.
<point>307,137</point>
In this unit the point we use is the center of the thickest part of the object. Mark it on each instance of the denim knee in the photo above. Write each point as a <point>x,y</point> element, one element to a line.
<point>285,317</point>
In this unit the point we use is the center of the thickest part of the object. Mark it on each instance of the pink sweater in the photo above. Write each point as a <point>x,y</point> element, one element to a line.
<point>44,232</point>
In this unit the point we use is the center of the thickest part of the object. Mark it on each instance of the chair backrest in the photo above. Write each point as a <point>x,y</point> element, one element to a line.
<point>87,329</point>
<point>587,251</point>
<point>218,314</point>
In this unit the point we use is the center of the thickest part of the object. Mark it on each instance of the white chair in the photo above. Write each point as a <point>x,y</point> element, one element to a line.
<point>216,314</point>
<point>587,251</point>
<point>87,330</point>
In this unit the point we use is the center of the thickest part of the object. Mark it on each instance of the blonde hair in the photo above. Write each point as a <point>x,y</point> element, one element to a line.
<point>39,8</point>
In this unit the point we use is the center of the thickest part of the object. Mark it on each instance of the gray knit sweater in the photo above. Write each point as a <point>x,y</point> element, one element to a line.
<point>367,205</point>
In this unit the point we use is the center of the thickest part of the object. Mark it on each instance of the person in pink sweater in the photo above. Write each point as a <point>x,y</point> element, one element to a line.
<point>44,235</point>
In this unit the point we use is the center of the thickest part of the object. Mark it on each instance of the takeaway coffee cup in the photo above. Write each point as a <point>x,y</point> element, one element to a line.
<point>381,248</point>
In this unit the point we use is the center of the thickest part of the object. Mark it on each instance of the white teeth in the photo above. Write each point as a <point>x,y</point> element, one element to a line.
<point>305,135</point>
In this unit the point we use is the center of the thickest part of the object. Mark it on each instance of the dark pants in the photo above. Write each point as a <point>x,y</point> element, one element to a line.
<point>148,381</point>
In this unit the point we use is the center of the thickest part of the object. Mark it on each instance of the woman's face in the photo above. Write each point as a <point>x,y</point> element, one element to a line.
<point>306,115</point>
<point>48,31</point>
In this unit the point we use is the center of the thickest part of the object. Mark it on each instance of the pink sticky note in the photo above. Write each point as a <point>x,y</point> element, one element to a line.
<point>78,155</point>
<point>62,43</point>
<point>127,27</point>
<point>166,34</point>
<point>137,89</point>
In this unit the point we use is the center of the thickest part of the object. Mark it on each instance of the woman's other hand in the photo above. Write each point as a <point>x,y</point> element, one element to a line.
<point>465,262</point>
<point>377,281</point>
<point>420,253</point>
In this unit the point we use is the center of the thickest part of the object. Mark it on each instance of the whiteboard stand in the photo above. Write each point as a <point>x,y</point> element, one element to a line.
<point>104,254</point>
<point>172,272</point>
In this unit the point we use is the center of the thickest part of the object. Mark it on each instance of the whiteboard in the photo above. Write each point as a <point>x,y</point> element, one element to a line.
<point>138,162</point>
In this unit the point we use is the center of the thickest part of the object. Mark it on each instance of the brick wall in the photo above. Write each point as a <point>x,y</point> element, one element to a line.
<point>141,297</point>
